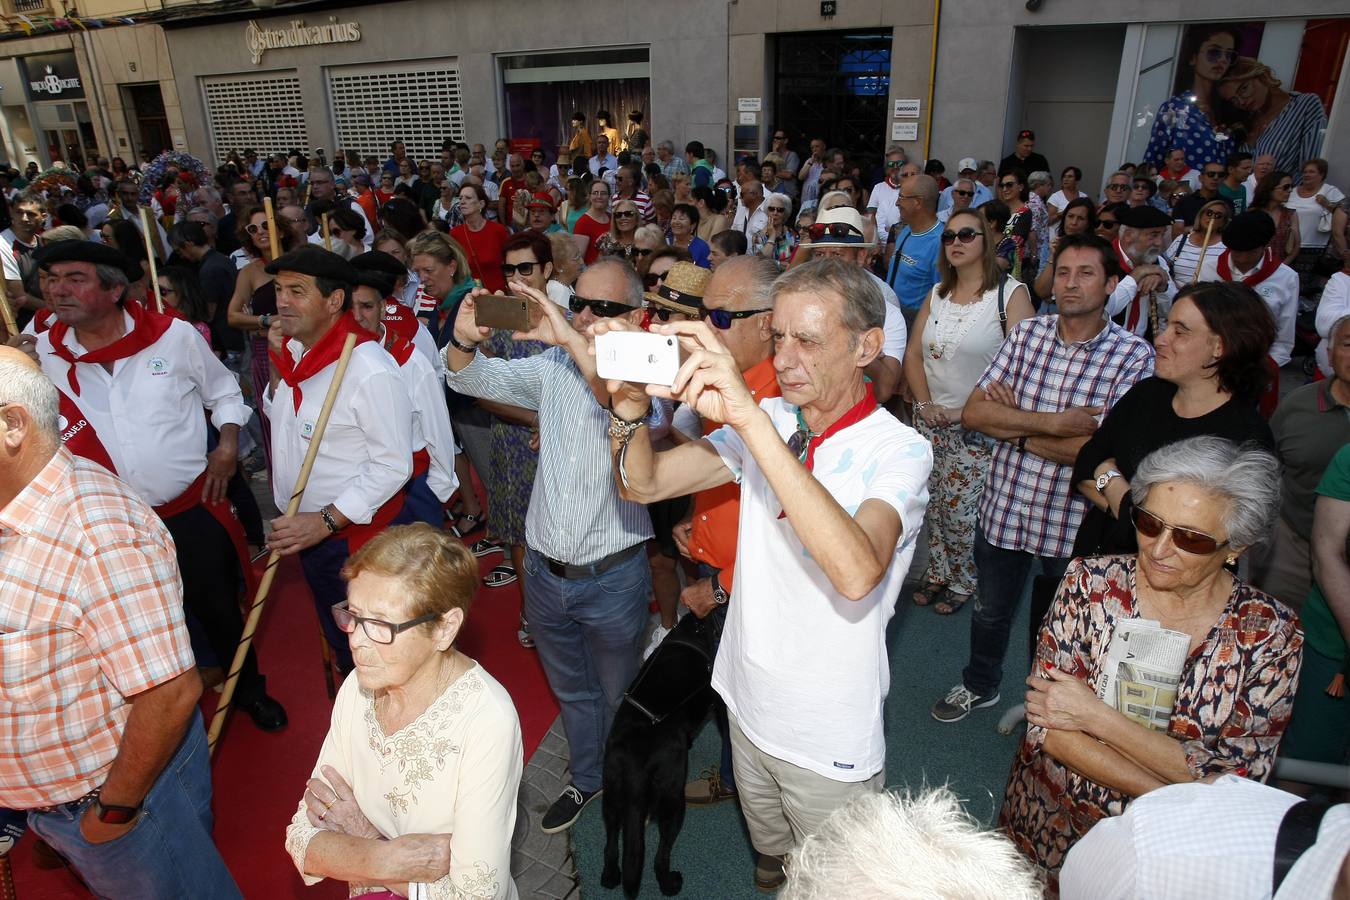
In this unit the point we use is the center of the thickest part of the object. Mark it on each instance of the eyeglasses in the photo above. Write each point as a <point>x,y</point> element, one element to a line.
<point>722,318</point>
<point>1220,54</point>
<point>652,279</point>
<point>378,630</point>
<point>833,229</point>
<point>963,193</point>
<point>1117,187</point>
<point>1186,539</point>
<point>775,209</point>
<point>625,214</point>
<point>800,443</point>
<point>1215,214</point>
<point>894,163</point>
<point>780,137</point>
<point>1287,186</point>
<point>300,221</point>
<point>1107,223</point>
<point>1007,185</point>
<point>663,314</point>
<point>1212,173</point>
<point>965,236</point>
<point>526,269</point>
<point>605,309</point>
<point>256,227</point>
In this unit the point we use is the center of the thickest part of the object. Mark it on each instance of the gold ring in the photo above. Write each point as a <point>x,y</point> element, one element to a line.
<point>329,805</point>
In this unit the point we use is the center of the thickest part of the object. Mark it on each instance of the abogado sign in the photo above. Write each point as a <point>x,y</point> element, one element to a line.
<point>53,75</point>
<point>260,39</point>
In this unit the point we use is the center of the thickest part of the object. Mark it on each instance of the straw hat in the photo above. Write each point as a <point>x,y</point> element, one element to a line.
<point>683,289</point>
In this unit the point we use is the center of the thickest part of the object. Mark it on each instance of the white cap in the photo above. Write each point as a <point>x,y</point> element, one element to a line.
<point>964,164</point>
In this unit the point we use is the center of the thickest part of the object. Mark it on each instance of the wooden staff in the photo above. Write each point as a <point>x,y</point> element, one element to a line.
<point>327,233</point>
<point>7,311</point>
<point>273,237</point>
<point>304,195</point>
<point>265,585</point>
<point>1204,248</point>
<point>147,226</point>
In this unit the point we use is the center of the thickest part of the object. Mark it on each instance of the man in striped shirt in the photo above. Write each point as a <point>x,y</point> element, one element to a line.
<point>1041,398</point>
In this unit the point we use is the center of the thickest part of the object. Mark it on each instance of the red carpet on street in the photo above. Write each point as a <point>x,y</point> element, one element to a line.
<point>259,777</point>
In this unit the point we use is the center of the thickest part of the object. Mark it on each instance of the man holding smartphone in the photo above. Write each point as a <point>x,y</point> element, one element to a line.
<point>833,491</point>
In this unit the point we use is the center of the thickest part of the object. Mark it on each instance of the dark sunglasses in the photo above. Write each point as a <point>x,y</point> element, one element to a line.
<point>663,314</point>
<point>965,236</point>
<point>894,163</point>
<point>780,137</point>
<point>645,251</point>
<point>1117,187</point>
<point>605,309</point>
<point>1215,214</point>
<point>1220,54</point>
<point>1189,540</point>
<point>1210,173</point>
<point>963,193</point>
<point>652,279</point>
<point>1107,223</point>
<point>625,214</point>
<point>833,229</point>
<point>722,318</point>
<point>526,269</point>
<point>1007,185</point>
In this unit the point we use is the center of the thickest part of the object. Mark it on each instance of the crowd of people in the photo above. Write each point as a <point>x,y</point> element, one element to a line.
<point>1069,395</point>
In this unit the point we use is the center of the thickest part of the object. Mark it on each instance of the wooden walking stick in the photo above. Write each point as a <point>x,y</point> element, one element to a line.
<point>1204,248</point>
<point>265,584</point>
<point>327,233</point>
<point>147,224</point>
<point>273,239</point>
<point>11,324</point>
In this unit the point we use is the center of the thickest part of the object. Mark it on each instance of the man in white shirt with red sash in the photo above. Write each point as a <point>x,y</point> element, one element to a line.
<point>356,488</point>
<point>134,386</point>
<point>399,319</point>
<point>1143,297</point>
<point>1249,260</point>
<point>433,478</point>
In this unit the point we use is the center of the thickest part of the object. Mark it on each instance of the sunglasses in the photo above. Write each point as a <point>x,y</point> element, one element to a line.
<point>1220,54</point>
<point>780,137</point>
<point>800,443</point>
<point>1107,223</point>
<point>965,236</point>
<point>1117,187</point>
<point>255,227</point>
<point>1215,214</point>
<point>894,163</point>
<point>1186,539</point>
<point>1212,173</point>
<point>1288,186</point>
<point>1007,185</point>
<point>663,314</point>
<point>526,269</point>
<point>605,309</point>
<point>626,214</point>
<point>833,229</point>
<point>722,318</point>
<point>964,193</point>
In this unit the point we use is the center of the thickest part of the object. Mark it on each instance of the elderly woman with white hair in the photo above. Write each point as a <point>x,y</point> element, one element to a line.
<point>1199,504</point>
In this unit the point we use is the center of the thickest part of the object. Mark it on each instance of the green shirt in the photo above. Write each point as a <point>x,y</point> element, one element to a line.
<point>1320,628</point>
<point>1237,196</point>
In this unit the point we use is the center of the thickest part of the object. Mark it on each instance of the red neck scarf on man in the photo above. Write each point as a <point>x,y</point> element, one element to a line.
<point>1269,264</point>
<point>401,350</point>
<point>399,319</point>
<point>1122,257</point>
<point>861,410</point>
<point>324,353</point>
<point>147,327</point>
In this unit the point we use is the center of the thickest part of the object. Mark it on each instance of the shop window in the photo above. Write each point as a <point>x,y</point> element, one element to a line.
<point>262,112</point>
<point>417,103</point>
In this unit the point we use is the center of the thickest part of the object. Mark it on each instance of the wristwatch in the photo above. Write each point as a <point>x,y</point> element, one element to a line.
<point>265,321</point>
<point>1105,478</point>
<point>110,814</point>
<point>329,522</point>
<point>720,596</point>
<point>462,348</point>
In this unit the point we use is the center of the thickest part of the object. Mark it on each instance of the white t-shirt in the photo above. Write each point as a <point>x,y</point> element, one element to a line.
<point>803,669</point>
<point>1279,291</point>
<point>1059,201</point>
<point>8,257</point>
<point>1309,213</point>
<point>1334,304</point>
<point>897,332</point>
<point>883,199</point>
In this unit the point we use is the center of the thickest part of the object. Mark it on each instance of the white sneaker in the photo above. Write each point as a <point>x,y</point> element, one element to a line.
<point>658,635</point>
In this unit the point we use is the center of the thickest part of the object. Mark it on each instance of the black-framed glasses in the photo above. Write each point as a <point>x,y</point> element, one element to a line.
<point>625,214</point>
<point>1189,540</point>
<point>833,229</point>
<point>963,193</point>
<point>1212,173</point>
<point>722,318</point>
<point>663,314</point>
<point>526,269</point>
<point>1117,187</point>
<point>1215,214</point>
<point>605,309</point>
<point>378,630</point>
<point>965,236</point>
<point>652,279</point>
<point>780,137</point>
<point>1107,223</point>
<point>1287,186</point>
<point>1007,185</point>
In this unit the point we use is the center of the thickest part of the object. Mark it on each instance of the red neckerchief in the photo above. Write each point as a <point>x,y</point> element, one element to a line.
<point>42,320</point>
<point>1269,263</point>
<point>399,319</point>
<point>860,411</point>
<point>1121,257</point>
<point>1136,308</point>
<point>147,327</point>
<point>78,435</point>
<point>399,348</point>
<point>324,353</point>
<point>1178,176</point>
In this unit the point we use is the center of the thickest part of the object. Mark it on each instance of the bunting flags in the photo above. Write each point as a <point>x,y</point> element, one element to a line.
<point>41,24</point>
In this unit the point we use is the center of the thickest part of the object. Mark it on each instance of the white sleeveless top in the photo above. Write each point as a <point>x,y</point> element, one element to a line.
<point>959,342</point>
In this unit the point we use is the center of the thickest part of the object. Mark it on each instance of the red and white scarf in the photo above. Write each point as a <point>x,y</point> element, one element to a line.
<point>1269,263</point>
<point>324,353</point>
<point>147,327</point>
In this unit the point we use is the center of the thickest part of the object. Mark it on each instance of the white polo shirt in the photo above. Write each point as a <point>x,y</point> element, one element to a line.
<point>802,668</point>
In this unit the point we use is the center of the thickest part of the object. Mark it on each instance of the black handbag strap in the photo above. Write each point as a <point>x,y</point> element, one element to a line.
<point>1298,832</point>
<point>1002,309</point>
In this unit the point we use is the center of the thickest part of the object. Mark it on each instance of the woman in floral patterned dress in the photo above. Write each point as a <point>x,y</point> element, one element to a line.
<point>1199,504</point>
<point>415,787</point>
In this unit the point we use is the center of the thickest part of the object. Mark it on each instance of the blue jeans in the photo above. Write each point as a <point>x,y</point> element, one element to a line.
<point>1003,577</point>
<point>168,853</point>
<point>587,631</point>
<point>421,503</point>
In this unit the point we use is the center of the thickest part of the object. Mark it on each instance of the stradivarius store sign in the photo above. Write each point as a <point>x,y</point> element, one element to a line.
<point>298,34</point>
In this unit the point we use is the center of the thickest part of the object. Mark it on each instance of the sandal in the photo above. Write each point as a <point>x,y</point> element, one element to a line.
<point>484,547</point>
<point>476,521</point>
<point>930,593</point>
<point>500,576</point>
<point>951,603</point>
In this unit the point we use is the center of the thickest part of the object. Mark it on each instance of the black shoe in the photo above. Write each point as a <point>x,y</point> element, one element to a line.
<point>266,713</point>
<point>566,809</point>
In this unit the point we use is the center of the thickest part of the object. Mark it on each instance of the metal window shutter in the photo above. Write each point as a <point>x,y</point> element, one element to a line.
<point>419,103</point>
<point>262,112</point>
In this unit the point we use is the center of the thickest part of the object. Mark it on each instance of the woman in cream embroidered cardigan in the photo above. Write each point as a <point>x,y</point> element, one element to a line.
<point>414,791</point>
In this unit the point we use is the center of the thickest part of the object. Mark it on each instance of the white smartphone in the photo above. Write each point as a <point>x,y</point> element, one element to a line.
<point>639,357</point>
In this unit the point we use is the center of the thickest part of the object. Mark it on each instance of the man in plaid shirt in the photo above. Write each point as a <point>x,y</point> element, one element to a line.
<point>1041,398</point>
<point>98,690</point>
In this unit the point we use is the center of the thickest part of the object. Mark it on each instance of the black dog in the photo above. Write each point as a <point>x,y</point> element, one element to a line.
<point>647,754</point>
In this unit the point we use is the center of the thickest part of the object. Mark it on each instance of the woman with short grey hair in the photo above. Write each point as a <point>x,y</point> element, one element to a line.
<point>1199,504</point>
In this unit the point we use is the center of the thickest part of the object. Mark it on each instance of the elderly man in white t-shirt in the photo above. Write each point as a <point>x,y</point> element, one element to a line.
<point>833,491</point>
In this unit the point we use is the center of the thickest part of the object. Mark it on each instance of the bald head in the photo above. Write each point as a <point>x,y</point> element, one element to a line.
<point>15,355</point>
<point>926,188</point>
<point>29,421</point>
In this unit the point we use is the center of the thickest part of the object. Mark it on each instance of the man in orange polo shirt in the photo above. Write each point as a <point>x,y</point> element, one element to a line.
<point>738,305</point>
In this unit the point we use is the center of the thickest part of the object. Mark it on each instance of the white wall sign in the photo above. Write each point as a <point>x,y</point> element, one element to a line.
<point>907,109</point>
<point>259,40</point>
<point>904,131</point>
<point>747,104</point>
<point>749,118</point>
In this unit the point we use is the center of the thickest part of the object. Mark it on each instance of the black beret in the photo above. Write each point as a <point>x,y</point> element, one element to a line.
<point>371,278</point>
<point>379,261</point>
<point>1249,231</point>
<point>1145,216</point>
<point>312,259</point>
<point>87,251</point>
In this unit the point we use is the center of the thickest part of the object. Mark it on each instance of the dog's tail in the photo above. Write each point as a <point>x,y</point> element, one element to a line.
<point>634,844</point>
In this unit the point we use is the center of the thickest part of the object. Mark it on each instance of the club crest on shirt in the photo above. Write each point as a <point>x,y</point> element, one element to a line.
<point>159,365</point>
<point>62,423</point>
<point>307,430</point>
<point>390,308</point>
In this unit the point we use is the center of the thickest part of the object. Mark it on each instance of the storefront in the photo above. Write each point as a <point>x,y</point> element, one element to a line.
<point>360,77</point>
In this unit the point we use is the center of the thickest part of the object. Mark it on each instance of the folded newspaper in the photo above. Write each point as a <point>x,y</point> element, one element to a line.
<point>1142,670</point>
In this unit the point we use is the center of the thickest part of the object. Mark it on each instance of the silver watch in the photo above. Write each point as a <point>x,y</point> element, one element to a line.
<point>1105,478</point>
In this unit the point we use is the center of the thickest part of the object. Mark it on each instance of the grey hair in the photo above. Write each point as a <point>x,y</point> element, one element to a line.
<point>758,274</point>
<point>210,216</point>
<point>112,277</point>
<point>1335,327</point>
<point>1246,477</point>
<point>1036,179</point>
<point>898,846</point>
<point>864,308</point>
<point>666,145</point>
<point>831,196</point>
<point>632,284</point>
<point>34,391</point>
